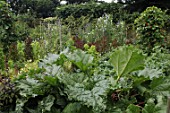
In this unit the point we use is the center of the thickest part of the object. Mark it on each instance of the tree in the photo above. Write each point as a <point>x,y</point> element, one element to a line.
<point>141,5</point>
<point>78,1</point>
<point>42,8</point>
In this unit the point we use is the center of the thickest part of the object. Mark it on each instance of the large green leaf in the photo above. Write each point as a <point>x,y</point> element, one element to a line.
<point>151,107</point>
<point>126,59</point>
<point>93,96</point>
<point>72,79</point>
<point>160,86</point>
<point>81,59</point>
<point>47,102</point>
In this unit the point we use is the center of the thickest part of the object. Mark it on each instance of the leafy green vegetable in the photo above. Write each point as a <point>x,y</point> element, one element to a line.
<point>70,82</point>
<point>92,96</point>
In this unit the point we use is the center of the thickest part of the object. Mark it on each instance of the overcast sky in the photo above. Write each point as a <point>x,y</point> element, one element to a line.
<point>109,1</point>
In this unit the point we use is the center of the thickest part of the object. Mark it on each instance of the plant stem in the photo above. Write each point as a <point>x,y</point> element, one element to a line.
<point>118,78</point>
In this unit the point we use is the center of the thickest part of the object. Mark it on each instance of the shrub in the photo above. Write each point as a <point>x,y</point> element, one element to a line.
<point>6,21</point>
<point>94,10</point>
<point>11,30</point>
<point>150,27</point>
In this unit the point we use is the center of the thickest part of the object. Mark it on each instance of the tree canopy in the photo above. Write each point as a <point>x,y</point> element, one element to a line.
<point>46,8</point>
<point>41,8</point>
<point>141,5</point>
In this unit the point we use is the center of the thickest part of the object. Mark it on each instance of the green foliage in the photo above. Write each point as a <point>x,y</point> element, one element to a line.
<point>102,33</point>
<point>75,24</point>
<point>28,21</point>
<point>20,49</point>
<point>2,60</point>
<point>150,73</point>
<point>10,30</point>
<point>151,107</point>
<point>47,34</point>
<point>21,29</point>
<point>77,1</point>
<point>6,22</point>
<point>42,90</point>
<point>45,105</point>
<point>89,9</point>
<point>159,59</point>
<point>103,27</point>
<point>91,50</point>
<point>78,86</point>
<point>83,86</point>
<point>39,7</point>
<point>76,107</point>
<point>150,27</point>
<point>80,81</point>
<point>77,81</point>
<point>160,86</point>
<point>36,50</point>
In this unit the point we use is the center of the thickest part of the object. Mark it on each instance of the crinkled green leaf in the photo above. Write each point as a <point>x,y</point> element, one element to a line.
<point>48,102</point>
<point>151,107</point>
<point>150,73</point>
<point>31,87</point>
<point>71,79</point>
<point>161,86</point>
<point>48,60</point>
<point>93,97</point>
<point>53,70</point>
<point>20,103</point>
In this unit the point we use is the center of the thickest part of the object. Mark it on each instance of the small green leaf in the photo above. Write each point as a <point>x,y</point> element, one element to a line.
<point>72,108</point>
<point>51,80</point>
<point>133,109</point>
<point>149,107</point>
